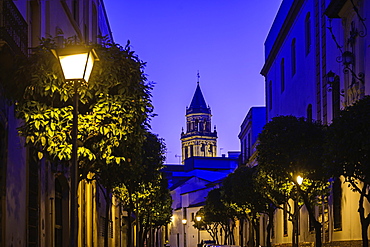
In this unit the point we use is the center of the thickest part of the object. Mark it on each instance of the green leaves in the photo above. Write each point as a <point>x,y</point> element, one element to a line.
<point>114,110</point>
<point>288,147</point>
<point>114,107</point>
<point>348,143</point>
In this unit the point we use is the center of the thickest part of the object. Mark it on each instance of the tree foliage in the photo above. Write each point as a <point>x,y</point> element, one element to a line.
<point>143,189</point>
<point>290,147</point>
<point>218,213</point>
<point>114,110</point>
<point>348,153</point>
<point>114,105</point>
<point>245,189</point>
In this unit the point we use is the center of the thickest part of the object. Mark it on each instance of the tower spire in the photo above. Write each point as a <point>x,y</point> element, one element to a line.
<point>198,139</point>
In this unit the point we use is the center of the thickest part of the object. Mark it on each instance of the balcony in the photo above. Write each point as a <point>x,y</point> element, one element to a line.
<point>13,28</point>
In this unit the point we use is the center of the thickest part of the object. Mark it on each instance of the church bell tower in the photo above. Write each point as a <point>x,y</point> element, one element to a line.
<point>198,139</point>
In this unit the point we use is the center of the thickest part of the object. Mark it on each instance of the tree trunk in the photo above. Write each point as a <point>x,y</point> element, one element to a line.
<point>232,239</point>
<point>257,230</point>
<point>295,224</point>
<point>130,237</point>
<point>270,225</point>
<point>157,232</point>
<point>364,220</point>
<point>317,225</point>
<point>241,233</point>
<point>138,231</point>
<point>251,233</point>
<point>225,234</point>
<point>129,229</point>
<point>107,217</point>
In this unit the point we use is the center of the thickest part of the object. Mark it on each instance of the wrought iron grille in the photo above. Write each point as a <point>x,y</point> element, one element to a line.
<point>13,28</point>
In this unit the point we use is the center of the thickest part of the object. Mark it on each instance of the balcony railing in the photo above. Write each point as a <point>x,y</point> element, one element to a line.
<point>13,28</point>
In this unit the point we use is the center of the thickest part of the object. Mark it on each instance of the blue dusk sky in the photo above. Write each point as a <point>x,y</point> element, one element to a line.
<point>222,39</point>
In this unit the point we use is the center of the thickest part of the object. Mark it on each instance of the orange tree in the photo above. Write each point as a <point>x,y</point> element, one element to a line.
<point>114,108</point>
<point>246,189</point>
<point>290,147</point>
<point>143,189</point>
<point>218,213</point>
<point>348,152</point>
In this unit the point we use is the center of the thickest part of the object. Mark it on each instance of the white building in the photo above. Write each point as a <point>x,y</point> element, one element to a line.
<point>200,172</point>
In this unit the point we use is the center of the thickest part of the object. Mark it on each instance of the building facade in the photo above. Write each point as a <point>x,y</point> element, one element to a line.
<point>189,186</point>
<point>249,130</point>
<point>35,195</point>
<point>316,61</point>
<point>198,139</point>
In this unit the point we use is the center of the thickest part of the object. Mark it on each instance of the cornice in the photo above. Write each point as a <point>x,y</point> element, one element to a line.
<point>288,23</point>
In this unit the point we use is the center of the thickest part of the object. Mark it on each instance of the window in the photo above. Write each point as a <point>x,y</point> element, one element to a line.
<point>103,229</point>
<point>309,113</point>
<point>61,202</point>
<point>307,27</point>
<point>282,75</point>
<point>294,57</point>
<point>285,220</point>
<point>270,95</point>
<point>33,199</point>
<point>249,147</point>
<point>58,213</point>
<point>336,97</point>
<point>75,10</point>
<point>94,25</point>
<point>337,204</point>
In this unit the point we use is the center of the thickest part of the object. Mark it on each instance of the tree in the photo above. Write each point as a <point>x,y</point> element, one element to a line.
<point>348,152</point>
<point>114,108</point>
<point>217,213</point>
<point>290,147</point>
<point>244,189</point>
<point>143,190</point>
<point>114,103</point>
<point>239,190</point>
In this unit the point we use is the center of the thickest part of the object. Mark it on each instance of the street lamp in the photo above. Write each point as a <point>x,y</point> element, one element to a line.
<point>77,63</point>
<point>198,218</point>
<point>184,221</point>
<point>299,180</point>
